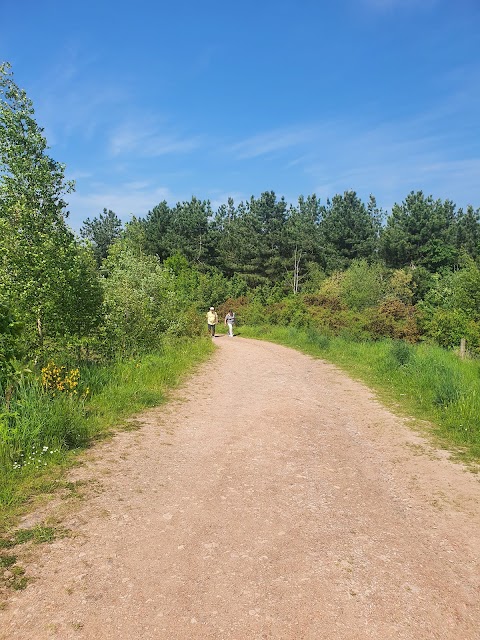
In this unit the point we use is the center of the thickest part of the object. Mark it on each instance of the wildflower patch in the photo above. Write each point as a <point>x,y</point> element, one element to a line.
<point>57,379</point>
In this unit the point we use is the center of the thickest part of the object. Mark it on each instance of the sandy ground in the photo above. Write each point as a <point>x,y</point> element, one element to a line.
<point>273,497</point>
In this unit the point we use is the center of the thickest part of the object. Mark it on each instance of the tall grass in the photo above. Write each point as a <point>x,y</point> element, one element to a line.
<point>124,388</point>
<point>39,430</point>
<point>425,381</point>
<point>35,422</point>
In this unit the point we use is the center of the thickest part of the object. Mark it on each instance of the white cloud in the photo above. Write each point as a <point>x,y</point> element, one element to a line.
<point>271,141</point>
<point>385,5</point>
<point>68,101</point>
<point>126,200</point>
<point>147,140</point>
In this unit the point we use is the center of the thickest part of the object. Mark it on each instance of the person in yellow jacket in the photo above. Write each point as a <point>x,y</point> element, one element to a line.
<point>212,320</point>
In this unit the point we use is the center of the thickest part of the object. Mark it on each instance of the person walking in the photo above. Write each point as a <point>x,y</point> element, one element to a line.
<point>229,322</point>
<point>212,319</point>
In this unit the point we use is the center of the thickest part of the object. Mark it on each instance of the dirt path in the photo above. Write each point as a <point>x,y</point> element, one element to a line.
<point>274,498</point>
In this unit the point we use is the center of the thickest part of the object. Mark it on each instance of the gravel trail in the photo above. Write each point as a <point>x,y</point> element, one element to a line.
<point>272,497</point>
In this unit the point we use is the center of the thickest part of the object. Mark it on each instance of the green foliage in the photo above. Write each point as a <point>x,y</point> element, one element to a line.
<point>181,229</point>
<point>291,312</point>
<point>254,313</point>
<point>401,354</point>
<point>37,425</point>
<point>10,330</point>
<point>468,232</point>
<point>29,179</point>
<point>447,326</point>
<point>465,285</point>
<point>331,287</point>
<point>250,239</point>
<point>314,277</point>
<point>42,270</point>
<point>422,281</point>
<point>349,230</point>
<point>102,233</point>
<point>420,232</point>
<point>139,302</point>
<point>451,307</point>
<point>401,286</point>
<point>362,285</point>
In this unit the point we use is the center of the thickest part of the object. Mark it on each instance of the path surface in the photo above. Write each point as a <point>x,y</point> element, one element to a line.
<point>273,498</point>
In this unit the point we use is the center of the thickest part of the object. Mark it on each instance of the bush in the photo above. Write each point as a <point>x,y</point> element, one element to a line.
<point>394,319</point>
<point>291,312</point>
<point>254,313</point>
<point>401,353</point>
<point>362,285</point>
<point>472,336</point>
<point>318,340</point>
<point>10,330</point>
<point>331,301</point>
<point>447,326</point>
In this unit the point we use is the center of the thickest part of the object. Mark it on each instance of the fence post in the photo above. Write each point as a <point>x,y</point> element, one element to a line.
<point>462,348</point>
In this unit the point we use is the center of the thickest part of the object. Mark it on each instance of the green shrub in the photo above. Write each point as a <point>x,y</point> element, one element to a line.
<point>254,313</point>
<point>362,285</point>
<point>401,353</point>
<point>447,326</point>
<point>316,339</point>
<point>393,319</point>
<point>10,330</point>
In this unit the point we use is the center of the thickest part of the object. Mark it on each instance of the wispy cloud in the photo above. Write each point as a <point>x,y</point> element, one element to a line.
<point>393,160</point>
<point>433,150</point>
<point>270,142</point>
<point>69,101</point>
<point>385,5</point>
<point>147,140</point>
<point>125,200</point>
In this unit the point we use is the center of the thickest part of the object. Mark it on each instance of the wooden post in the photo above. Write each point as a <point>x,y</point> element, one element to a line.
<point>462,348</point>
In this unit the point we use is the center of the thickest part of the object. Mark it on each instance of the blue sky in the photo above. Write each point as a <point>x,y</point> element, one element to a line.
<point>148,101</point>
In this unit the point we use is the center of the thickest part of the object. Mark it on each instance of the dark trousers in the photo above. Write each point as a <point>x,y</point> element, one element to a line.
<point>211,329</point>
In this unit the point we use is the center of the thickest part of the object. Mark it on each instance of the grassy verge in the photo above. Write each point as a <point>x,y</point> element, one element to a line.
<point>424,381</point>
<point>41,432</point>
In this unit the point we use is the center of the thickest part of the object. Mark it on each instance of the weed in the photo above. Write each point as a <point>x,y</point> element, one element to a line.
<point>401,353</point>
<point>7,561</point>
<point>319,340</point>
<point>446,391</point>
<point>38,535</point>
<point>20,583</point>
<point>13,575</point>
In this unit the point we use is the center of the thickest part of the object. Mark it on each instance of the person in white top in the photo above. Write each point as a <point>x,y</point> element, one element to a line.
<point>229,322</point>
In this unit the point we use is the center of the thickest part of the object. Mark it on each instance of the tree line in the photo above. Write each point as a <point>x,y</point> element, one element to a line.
<point>118,287</point>
<point>267,240</point>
